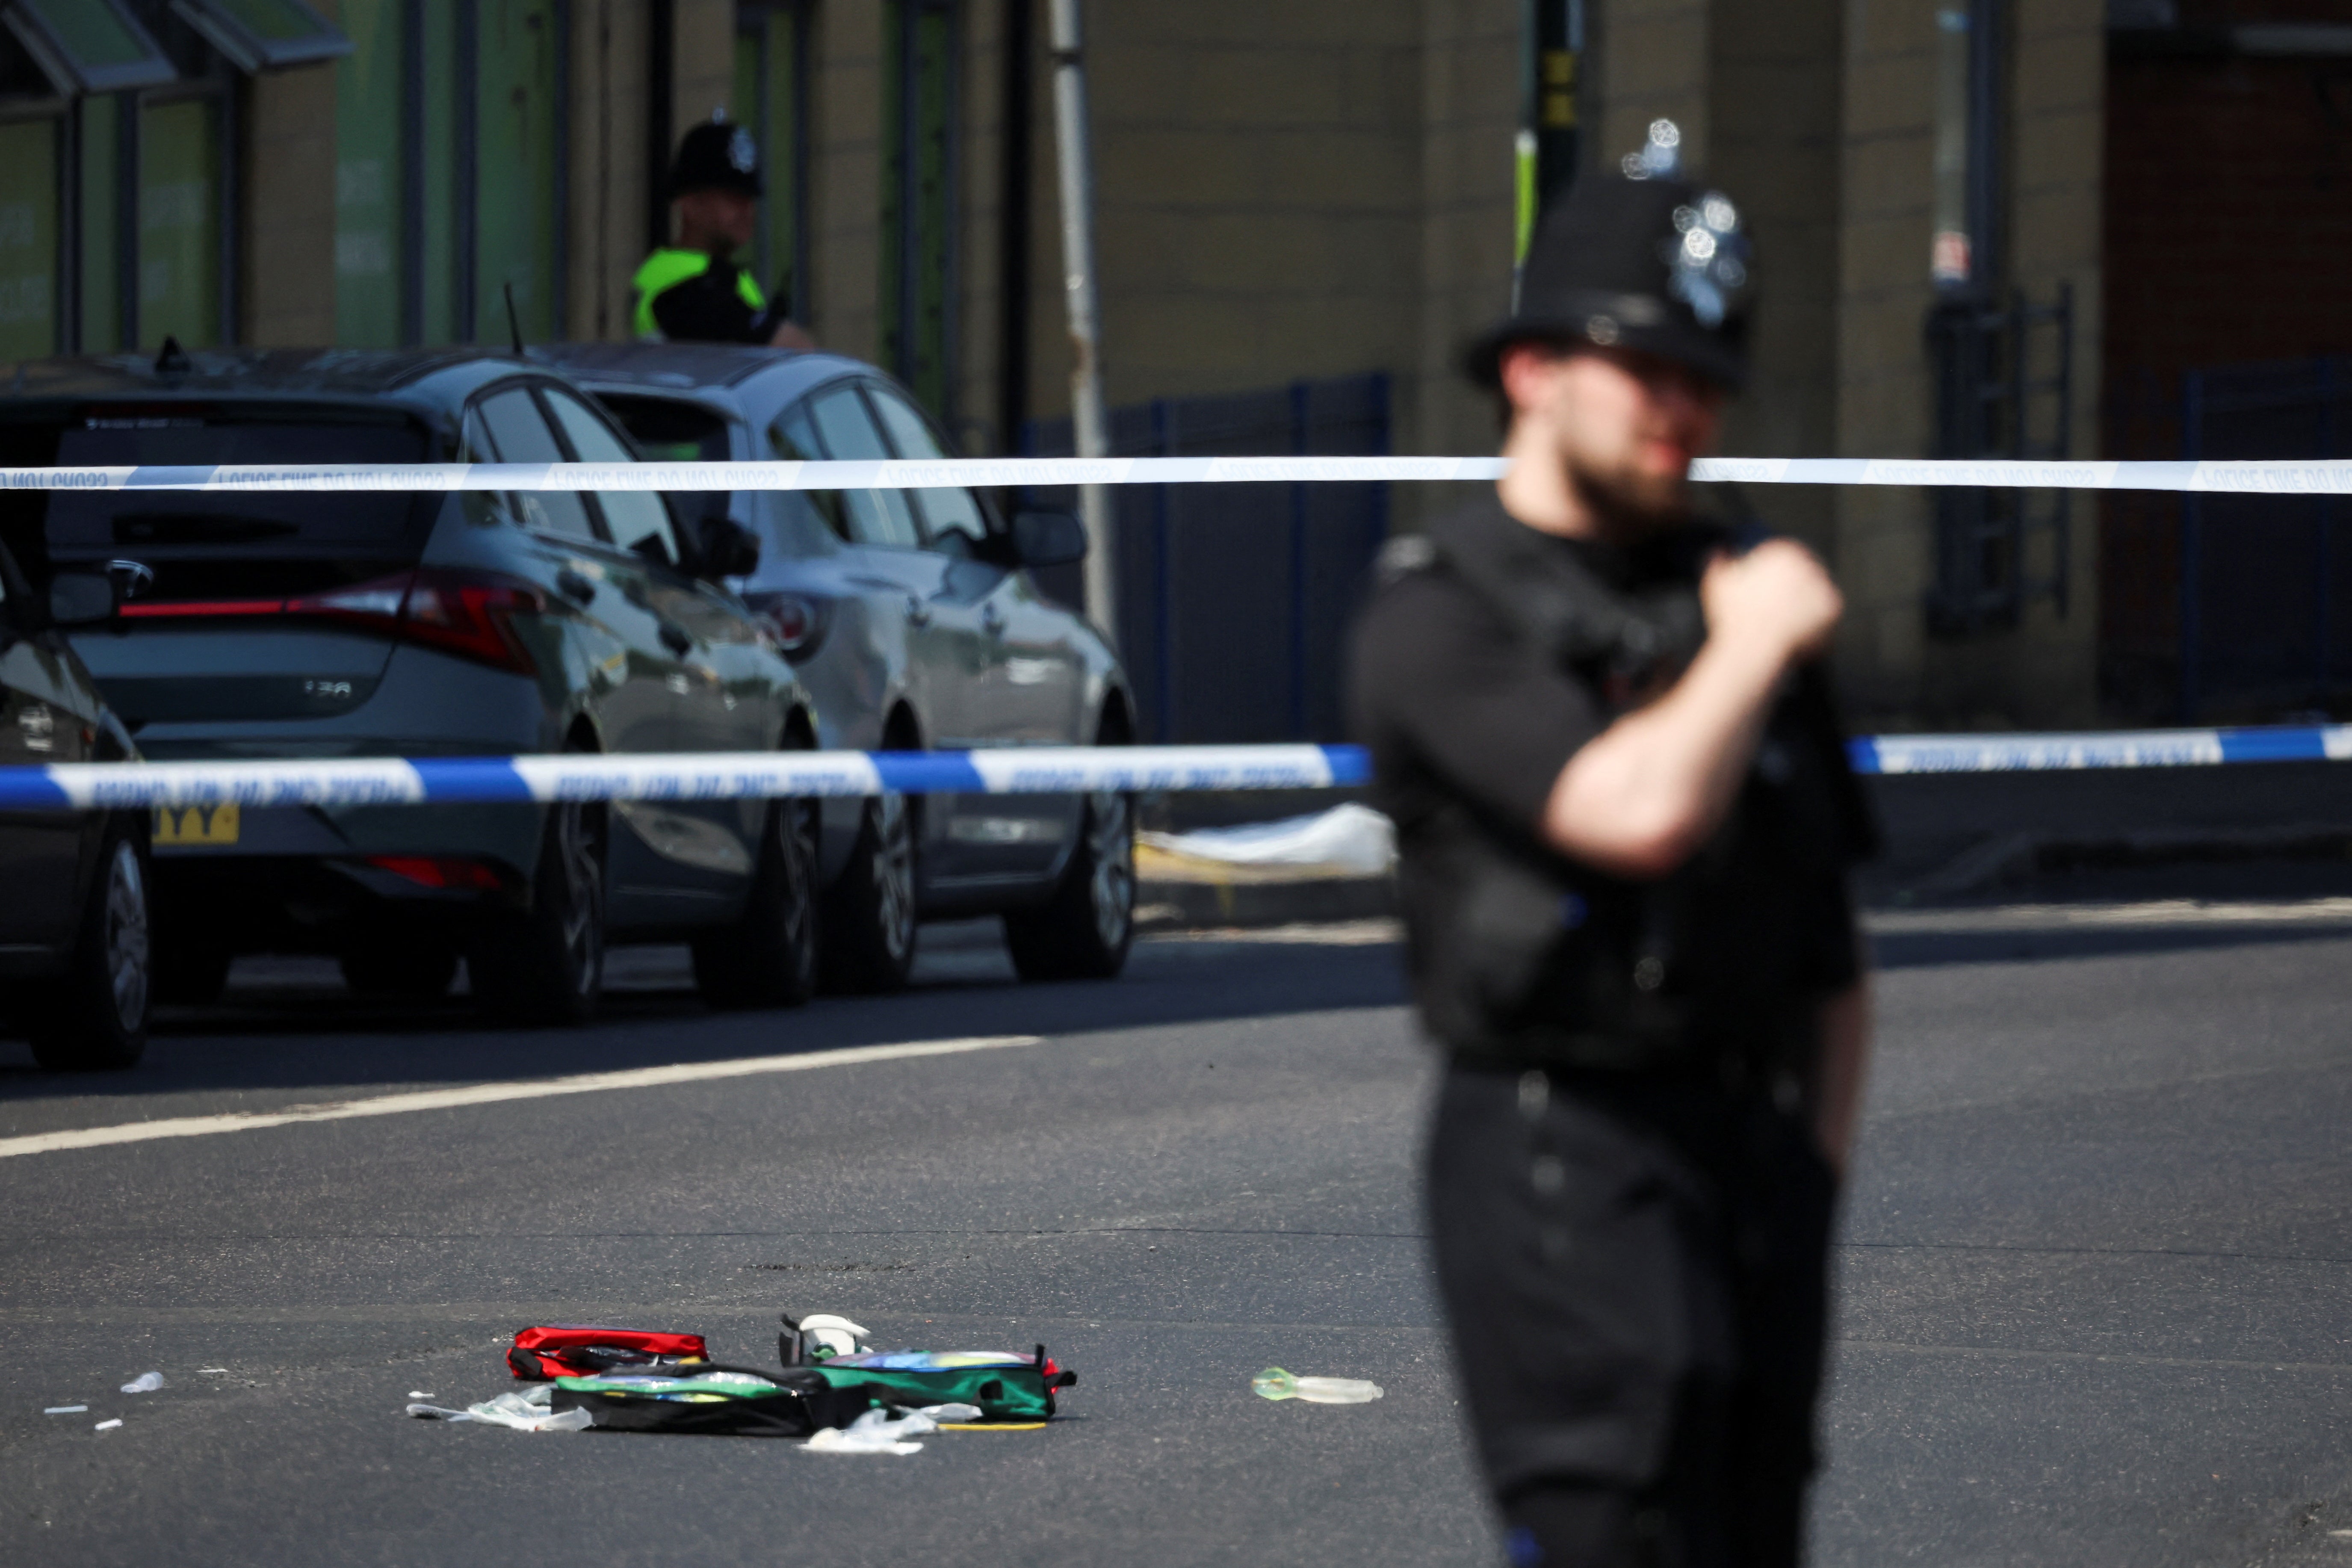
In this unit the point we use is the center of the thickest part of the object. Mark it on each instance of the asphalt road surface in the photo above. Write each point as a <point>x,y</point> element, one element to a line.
<point>2094,1268</point>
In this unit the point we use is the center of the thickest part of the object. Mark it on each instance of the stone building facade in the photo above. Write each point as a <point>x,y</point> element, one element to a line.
<point>1300,190</point>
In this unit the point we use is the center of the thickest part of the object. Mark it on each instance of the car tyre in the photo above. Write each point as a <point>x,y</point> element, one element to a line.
<point>868,941</point>
<point>404,968</point>
<point>1084,930</point>
<point>768,956</point>
<point>94,1015</point>
<point>545,966</point>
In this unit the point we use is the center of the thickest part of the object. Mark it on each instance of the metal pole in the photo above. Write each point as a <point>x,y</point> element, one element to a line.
<point>1089,428</point>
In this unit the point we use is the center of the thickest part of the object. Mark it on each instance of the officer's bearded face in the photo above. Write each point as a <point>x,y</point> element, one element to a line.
<point>1624,426</point>
<point>720,222</point>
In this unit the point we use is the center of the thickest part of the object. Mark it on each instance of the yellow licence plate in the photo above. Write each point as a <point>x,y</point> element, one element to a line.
<point>196,825</point>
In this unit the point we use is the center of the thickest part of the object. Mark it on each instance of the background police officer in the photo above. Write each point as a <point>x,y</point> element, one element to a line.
<point>693,291</point>
<point>1626,822</point>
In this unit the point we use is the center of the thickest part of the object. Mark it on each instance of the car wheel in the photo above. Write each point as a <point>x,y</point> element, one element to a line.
<point>1084,930</point>
<point>403,967</point>
<point>768,957</point>
<point>95,1015</point>
<point>868,941</point>
<point>545,965</point>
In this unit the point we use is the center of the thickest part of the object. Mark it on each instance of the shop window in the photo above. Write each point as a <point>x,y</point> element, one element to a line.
<point>369,175</point>
<point>98,259</point>
<point>428,241</point>
<point>771,100</point>
<point>180,222</point>
<point>28,238</point>
<point>918,118</point>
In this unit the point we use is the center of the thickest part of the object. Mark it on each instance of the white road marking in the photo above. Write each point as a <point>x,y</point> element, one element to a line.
<point>494,1093</point>
<point>2146,912</point>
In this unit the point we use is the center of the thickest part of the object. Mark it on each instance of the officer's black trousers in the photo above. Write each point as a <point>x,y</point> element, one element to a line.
<point>1634,1271</point>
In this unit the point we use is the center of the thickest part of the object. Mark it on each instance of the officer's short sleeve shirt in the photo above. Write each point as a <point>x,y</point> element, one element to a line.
<point>1445,700</point>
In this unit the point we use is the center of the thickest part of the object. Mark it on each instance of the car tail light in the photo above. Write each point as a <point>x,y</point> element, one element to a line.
<point>470,613</point>
<point>794,623</point>
<point>440,871</point>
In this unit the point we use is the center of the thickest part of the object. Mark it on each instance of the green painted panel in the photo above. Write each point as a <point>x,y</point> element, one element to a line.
<point>891,253</point>
<point>29,240</point>
<point>101,226</point>
<point>780,84</point>
<point>933,202</point>
<point>516,171</point>
<point>367,177</point>
<point>179,223</point>
<point>917,196</point>
<point>438,221</point>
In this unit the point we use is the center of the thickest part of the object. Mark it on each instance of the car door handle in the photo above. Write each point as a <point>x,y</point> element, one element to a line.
<point>917,612</point>
<point>992,615</point>
<point>673,638</point>
<point>572,586</point>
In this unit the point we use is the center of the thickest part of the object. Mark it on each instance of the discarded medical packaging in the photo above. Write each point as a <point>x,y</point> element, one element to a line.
<point>1003,1386</point>
<point>529,1412</point>
<point>571,1350</point>
<point>1275,1383</point>
<point>875,1432</point>
<point>713,1401</point>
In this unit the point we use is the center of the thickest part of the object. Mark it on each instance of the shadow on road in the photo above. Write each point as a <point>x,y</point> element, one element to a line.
<point>310,1033</point>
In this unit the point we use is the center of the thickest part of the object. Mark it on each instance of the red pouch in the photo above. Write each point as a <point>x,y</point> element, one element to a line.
<point>542,1354</point>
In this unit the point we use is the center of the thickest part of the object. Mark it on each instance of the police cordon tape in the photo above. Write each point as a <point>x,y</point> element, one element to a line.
<point>1011,769</point>
<point>2231,478</point>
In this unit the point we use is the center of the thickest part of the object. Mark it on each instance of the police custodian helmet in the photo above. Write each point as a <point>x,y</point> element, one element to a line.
<point>1640,260</point>
<point>717,156</point>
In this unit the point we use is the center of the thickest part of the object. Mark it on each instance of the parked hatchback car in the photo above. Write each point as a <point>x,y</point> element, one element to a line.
<point>374,624</point>
<point>75,959</point>
<point>914,620</point>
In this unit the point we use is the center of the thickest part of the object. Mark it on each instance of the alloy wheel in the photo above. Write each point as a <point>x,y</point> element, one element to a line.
<point>127,949</point>
<point>1111,846</point>
<point>583,932</point>
<point>894,873</point>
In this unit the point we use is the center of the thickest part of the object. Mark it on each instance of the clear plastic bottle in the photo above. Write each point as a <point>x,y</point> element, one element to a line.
<point>1275,1383</point>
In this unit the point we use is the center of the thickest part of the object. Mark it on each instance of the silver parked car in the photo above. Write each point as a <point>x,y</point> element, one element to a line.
<point>914,622</point>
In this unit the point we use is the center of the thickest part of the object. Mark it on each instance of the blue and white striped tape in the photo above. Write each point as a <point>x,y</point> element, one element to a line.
<point>2101,749</point>
<point>734,776</point>
<point>2246,478</point>
<point>717,775</point>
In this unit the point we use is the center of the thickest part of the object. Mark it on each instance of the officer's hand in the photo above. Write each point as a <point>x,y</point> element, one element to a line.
<point>1777,598</point>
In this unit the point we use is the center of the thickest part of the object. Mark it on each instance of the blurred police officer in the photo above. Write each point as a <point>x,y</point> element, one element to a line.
<point>1625,820</point>
<point>693,291</point>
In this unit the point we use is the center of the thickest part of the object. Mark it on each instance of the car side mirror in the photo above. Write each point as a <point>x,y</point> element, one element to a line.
<point>724,548</point>
<point>82,599</point>
<point>1048,538</point>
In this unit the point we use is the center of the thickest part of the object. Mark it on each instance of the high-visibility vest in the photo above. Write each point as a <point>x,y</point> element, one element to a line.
<point>667,268</point>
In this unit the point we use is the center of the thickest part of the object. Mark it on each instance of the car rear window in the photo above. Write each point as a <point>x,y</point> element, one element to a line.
<point>667,431</point>
<point>89,522</point>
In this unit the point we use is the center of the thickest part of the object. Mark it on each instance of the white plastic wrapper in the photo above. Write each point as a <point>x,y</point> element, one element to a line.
<point>1353,838</point>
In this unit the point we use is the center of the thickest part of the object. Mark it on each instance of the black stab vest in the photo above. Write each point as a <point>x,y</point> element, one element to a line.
<point>1524,957</point>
